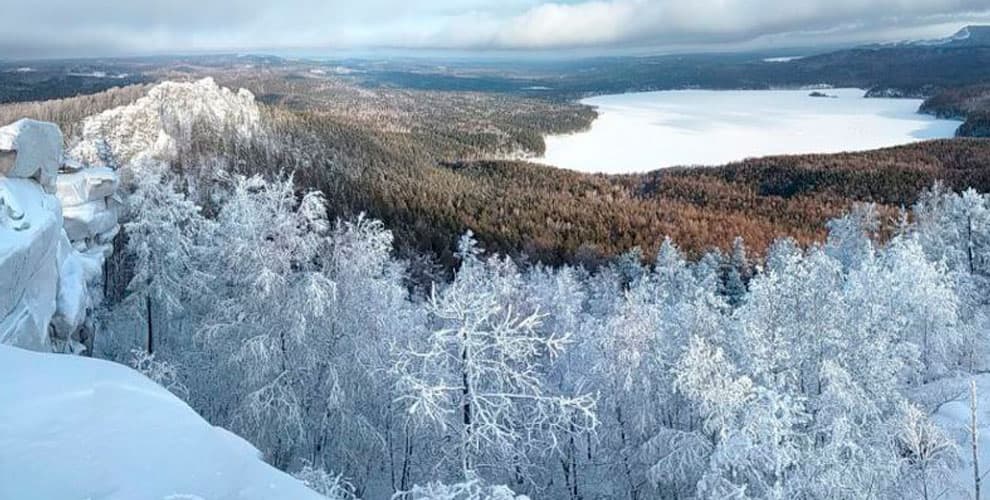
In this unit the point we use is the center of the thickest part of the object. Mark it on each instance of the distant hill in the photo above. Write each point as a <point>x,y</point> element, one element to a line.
<point>969,36</point>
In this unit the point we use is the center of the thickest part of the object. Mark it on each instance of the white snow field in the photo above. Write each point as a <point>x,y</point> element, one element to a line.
<point>644,131</point>
<point>81,428</point>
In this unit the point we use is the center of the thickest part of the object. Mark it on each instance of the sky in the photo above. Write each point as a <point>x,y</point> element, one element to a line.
<point>68,28</point>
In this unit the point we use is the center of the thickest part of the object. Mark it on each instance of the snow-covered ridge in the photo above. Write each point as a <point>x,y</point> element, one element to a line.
<point>76,427</point>
<point>51,257</point>
<point>150,129</point>
<point>968,36</point>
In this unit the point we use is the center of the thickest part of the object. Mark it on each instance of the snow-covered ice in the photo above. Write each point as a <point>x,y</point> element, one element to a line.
<point>782,59</point>
<point>74,427</point>
<point>648,130</point>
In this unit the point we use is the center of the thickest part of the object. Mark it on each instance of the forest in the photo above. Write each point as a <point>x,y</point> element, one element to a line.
<point>808,367</point>
<point>425,163</point>
<point>666,380</point>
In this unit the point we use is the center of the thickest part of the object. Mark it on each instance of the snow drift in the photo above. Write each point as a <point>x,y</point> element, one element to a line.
<point>74,427</point>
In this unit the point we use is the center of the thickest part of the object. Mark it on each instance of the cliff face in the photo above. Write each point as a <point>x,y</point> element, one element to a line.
<point>51,257</point>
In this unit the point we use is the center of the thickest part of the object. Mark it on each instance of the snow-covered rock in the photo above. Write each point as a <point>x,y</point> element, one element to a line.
<point>31,241</point>
<point>86,184</point>
<point>88,219</point>
<point>31,149</point>
<point>90,209</point>
<point>49,255</point>
<point>74,427</point>
<point>150,129</point>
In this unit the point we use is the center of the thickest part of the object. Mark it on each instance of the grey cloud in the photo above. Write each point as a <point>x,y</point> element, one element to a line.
<point>98,27</point>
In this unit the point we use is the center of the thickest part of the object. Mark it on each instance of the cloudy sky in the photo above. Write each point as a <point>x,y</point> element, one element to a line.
<point>49,28</point>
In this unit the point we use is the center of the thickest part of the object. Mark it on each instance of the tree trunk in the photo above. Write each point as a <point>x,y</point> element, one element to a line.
<point>633,490</point>
<point>969,244</point>
<point>465,405</point>
<point>974,432</point>
<point>151,329</point>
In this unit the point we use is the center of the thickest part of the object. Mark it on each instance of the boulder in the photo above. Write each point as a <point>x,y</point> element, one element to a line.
<point>31,149</point>
<point>89,219</point>
<point>84,185</point>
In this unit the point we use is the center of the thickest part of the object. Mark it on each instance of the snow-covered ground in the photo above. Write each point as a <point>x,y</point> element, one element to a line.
<point>80,428</point>
<point>648,130</point>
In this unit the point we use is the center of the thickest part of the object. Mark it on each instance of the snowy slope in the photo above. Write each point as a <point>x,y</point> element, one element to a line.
<point>954,418</point>
<point>79,428</point>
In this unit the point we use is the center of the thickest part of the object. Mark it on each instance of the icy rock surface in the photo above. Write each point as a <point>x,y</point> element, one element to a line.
<point>50,255</point>
<point>31,240</point>
<point>90,209</point>
<point>76,427</point>
<point>86,184</point>
<point>31,149</point>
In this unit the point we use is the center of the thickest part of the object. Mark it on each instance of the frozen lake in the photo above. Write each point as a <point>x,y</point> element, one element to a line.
<point>648,130</point>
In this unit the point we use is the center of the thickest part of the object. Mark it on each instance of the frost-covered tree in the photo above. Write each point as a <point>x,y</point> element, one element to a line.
<point>470,489</point>
<point>921,307</point>
<point>269,326</point>
<point>928,455</point>
<point>164,237</point>
<point>850,236</point>
<point>793,379</point>
<point>476,375</point>
<point>562,297</point>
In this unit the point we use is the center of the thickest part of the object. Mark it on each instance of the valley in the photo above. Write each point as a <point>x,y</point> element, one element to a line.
<point>431,162</point>
<point>521,273</point>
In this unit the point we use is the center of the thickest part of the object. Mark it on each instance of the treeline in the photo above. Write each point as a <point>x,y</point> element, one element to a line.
<point>68,112</point>
<point>43,81</point>
<point>400,156</point>
<point>971,103</point>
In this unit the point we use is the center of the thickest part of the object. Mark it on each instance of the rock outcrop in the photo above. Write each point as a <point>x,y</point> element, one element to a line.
<point>152,129</point>
<point>30,149</point>
<point>51,259</point>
